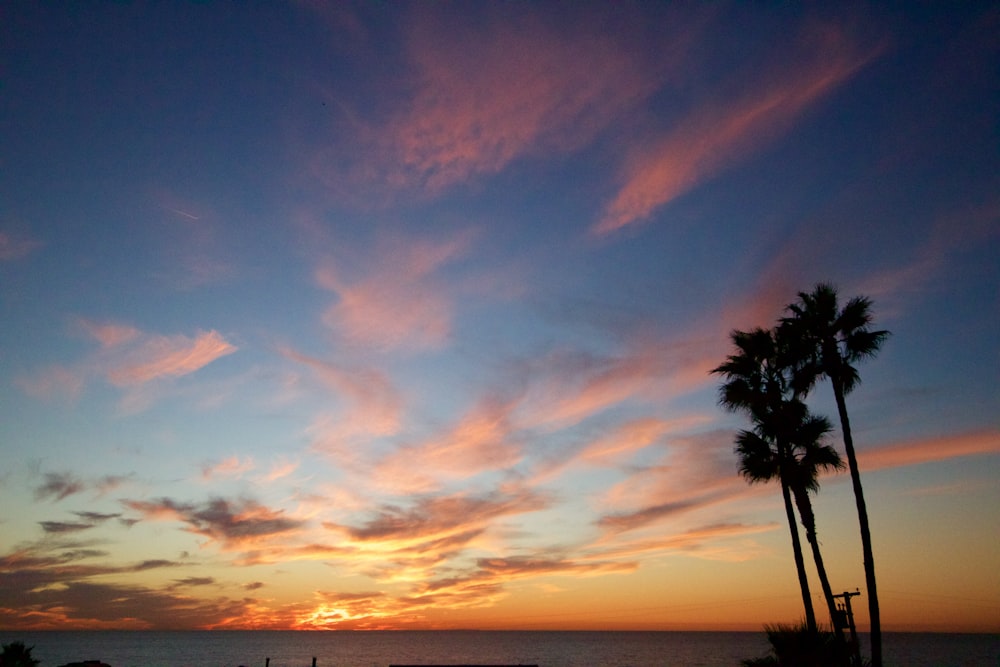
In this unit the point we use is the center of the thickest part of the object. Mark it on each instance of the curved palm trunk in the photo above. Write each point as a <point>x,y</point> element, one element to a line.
<point>866,536</point>
<point>809,523</point>
<point>800,564</point>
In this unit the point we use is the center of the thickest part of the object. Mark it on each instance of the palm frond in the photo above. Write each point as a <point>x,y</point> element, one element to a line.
<point>758,462</point>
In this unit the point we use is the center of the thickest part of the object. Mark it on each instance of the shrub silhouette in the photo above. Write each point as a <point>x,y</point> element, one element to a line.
<point>16,654</point>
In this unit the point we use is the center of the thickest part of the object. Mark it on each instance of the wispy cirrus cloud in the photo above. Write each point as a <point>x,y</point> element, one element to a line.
<point>432,518</point>
<point>483,93</point>
<point>128,358</point>
<point>694,472</point>
<point>109,334</point>
<point>717,541</point>
<point>929,450</point>
<point>187,582</point>
<point>89,520</point>
<point>64,526</point>
<point>631,436</point>
<point>372,405</point>
<point>510,568</point>
<point>59,486</point>
<point>401,300</point>
<point>719,134</point>
<point>613,448</point>
<point>280,469</point>
<point>234,524</point>
<point>481,441</point>
<point>568,387</point>
<point>519,86</point>
<point>169,356</point>
<point>232,466</point>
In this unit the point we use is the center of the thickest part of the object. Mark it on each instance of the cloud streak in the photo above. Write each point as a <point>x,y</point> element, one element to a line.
<point>170,356</point>
<point>234,524</point>
<point>929,450</point>
<point>722,133</point>
<point>129,359</point>
<point>401,302</point>
<point>480,442</point>
<point>518,87</point>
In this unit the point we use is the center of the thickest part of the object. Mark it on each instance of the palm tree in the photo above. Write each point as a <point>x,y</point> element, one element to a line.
<point>798,465</point>
<point>756,385</point>
<point>810,456</point>
<point>828,342</point>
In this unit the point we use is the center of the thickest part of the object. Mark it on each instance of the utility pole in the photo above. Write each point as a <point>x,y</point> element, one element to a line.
<point>845,619</point>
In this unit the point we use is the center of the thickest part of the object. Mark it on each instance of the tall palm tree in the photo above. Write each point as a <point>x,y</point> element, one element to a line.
<point>828,342</point>
<point>810,456</point>
<point>798,465</point>
<point>755,384</point>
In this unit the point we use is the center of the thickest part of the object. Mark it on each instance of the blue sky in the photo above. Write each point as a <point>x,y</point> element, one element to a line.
<point>402,315</point>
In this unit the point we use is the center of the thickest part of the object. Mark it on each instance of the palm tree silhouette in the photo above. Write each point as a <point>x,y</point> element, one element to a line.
<point>798,464</point>
<point>827,342</point>
<point>808,457</point>
<point>755,384</point>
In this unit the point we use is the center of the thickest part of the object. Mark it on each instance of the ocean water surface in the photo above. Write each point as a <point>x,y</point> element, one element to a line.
<point>546,649</point>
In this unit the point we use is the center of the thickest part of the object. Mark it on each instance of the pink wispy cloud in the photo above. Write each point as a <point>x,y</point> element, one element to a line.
<point>481,94</point>
<point>281,469</point>
<point>128,358</point>
<point>109,334</point>
<point>433,518</point>
<point>693,472</point>
<point>510,86</point>
<point>480,442</point>
<point>573,387</point>
<point>631,436</point>
<point>717,541</point>
<point>719,134</point>
<point>232,466</point>
<point>170,356</point>
<point>372,405</point>
<point>929,450</point>
<point>615,448</point>
<point>401,301</point>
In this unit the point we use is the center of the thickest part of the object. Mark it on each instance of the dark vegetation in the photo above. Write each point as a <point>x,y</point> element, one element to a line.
<point>16,654</point>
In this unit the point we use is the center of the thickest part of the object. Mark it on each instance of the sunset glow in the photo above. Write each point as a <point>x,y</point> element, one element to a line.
<point>322,316</point>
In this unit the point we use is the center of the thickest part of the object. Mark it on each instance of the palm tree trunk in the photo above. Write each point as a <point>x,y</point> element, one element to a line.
<point>866,536</point>
<point>809,523</point>
<point>800,564</point>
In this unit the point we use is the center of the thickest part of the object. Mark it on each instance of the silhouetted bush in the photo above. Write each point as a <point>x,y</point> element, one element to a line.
<point>16,654</point>
<point>798,646</point>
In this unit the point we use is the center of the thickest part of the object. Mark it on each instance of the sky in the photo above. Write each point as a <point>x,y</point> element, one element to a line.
<point>402,315</point>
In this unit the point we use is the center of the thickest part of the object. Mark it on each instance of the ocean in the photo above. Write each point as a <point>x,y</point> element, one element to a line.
<point>543,648</point>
